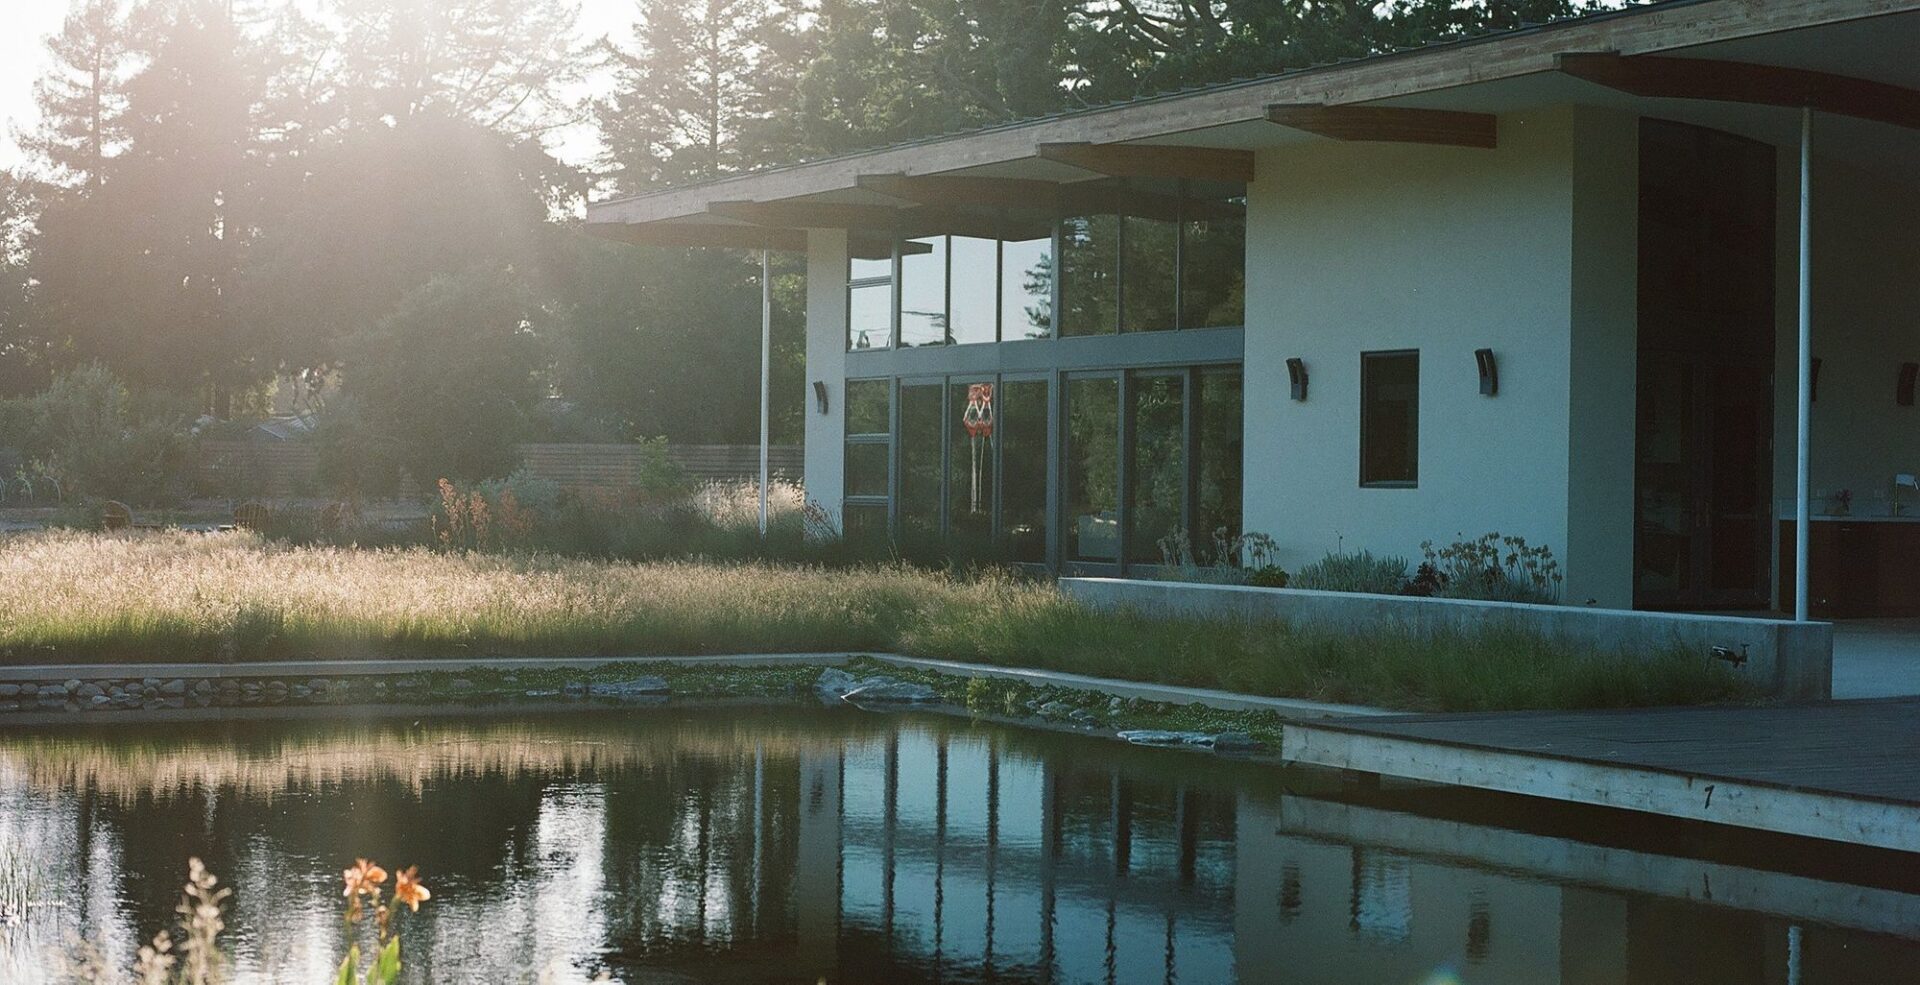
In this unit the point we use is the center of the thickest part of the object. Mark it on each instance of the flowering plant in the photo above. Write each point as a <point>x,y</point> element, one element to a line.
<point>363,893</point>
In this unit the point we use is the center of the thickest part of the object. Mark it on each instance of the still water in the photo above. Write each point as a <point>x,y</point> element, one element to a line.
<point>797,844</point>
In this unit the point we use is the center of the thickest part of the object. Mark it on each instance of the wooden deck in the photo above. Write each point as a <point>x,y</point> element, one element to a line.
<point>1844,771</point>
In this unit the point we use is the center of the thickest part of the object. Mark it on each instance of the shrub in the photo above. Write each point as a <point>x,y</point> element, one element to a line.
<point>1495,568</point>
<point>1362,572</point>
<point>92,436</point>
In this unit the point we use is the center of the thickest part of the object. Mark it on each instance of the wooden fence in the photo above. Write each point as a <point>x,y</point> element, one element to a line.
<point>282,469</point>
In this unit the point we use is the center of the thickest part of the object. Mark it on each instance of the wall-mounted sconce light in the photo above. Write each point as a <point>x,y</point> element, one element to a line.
<point>1297,376</point>
<point>1489,372</point>
<point>1903,391</point>
<point>820,395</point>
<point>1813,380</point>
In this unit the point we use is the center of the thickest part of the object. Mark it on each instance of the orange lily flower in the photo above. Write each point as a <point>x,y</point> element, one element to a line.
<point>364,877</point>
<point>407,888</point>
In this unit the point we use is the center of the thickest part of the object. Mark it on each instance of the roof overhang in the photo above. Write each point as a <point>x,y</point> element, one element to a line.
<point>1847,57</point>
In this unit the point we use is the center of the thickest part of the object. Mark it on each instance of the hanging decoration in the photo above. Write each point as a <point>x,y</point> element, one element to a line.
<point>978,420</point>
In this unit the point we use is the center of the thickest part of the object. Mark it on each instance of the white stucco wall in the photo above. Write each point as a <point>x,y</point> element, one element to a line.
<point>826,362</point>
<point>1361,247</point>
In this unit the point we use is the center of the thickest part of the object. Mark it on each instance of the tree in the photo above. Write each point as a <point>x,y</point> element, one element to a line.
<point>665,342</point>
<point>450,378</point>
<point>502,64</point>
<point>82,98</point>
<point>24,355</point>
<point>685,95</point>
<point>383,210</point>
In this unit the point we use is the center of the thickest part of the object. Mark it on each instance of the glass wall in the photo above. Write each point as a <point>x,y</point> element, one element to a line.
<point>975,288</point>
<point>923,291</point>
<point>1091,468</point>
<point>869,303</point>
<point>1218,459</point>
<point>972,430</point>
<point>1146,256</point>
<point>1026,287</point>
<point>1089,274</point>
<point>922,462</point>
<point>1149,260</point>
<point>1022,433</point>
<point>1213,259</point>
<point>869,423</point>
<point>1157,476</point>
<point>1142,457</point>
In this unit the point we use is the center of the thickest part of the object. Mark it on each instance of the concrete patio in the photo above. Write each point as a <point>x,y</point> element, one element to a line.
<point>1876,658</point>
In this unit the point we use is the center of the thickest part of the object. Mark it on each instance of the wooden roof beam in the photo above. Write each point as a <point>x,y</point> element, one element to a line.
<point>1391,124</point>
<point>1153,160</point>
<point>1661,77</point>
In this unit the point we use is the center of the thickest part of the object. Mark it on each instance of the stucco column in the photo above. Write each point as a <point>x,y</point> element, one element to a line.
<point>826,364</point>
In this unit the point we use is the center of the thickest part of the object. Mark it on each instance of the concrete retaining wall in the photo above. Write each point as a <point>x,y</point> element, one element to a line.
<point>1786,659</point>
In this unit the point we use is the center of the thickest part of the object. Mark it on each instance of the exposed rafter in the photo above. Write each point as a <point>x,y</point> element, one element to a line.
<point>1392,124</point>
<point>1658,76</point>
<point>1154,161</point>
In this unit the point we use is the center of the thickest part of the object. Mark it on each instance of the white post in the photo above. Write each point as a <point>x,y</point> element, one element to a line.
<point>766,380</point>
<point>1802,473</point>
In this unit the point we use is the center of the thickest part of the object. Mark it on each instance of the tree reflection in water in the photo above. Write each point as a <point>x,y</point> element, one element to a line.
<point>790,844</point>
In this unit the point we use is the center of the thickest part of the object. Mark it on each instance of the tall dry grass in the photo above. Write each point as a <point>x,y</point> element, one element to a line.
<point>173,596</point>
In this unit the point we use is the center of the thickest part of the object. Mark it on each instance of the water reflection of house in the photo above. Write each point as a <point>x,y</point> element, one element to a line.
<point>789,849</point>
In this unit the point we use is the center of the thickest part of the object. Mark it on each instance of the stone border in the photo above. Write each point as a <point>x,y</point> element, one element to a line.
<point>166,687</point>
<point>1784,659</point>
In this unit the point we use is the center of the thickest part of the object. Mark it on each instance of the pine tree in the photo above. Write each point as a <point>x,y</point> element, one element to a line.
<point>82,99</point>
<point>688,91</point>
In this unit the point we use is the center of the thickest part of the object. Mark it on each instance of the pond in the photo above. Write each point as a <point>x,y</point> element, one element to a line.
<point>795,844</point>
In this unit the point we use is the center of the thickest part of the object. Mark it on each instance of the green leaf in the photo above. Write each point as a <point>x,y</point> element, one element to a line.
<point>387,968</point>
<point>349,967</point>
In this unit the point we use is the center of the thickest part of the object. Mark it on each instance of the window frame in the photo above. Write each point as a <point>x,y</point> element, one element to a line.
<point>1373,357</point>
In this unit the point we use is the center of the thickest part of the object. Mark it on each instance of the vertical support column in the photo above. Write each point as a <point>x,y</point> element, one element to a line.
<point>766,378</point>
<point>826,439</point>
<point>1802,466</point>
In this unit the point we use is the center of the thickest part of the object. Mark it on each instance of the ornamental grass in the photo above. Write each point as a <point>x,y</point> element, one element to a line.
<point>170,596</point>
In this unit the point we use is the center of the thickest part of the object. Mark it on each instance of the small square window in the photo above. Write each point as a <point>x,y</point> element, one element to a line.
<point>1390,419</point>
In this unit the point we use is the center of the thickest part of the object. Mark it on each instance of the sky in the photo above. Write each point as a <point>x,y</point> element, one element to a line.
<point>26,24</point>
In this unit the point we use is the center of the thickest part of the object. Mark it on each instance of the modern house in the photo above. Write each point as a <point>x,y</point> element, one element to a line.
<point>1546,283</point>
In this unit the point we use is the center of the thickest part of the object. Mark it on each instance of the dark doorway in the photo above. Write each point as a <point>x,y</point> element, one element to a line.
<point>1704,462</point>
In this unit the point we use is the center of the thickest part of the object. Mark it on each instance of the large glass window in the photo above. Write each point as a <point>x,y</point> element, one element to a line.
<point>974,289</point>
<point>869,443</point>
<point>972,430</point>
<point>1022,431</point>
<point>1389,418</point>
<point>870,303</point>
<point>1217,455</point>
<point>1026,287</point>
<point>1089,265</point>
<point>1213,262</point>
<point>923,291</point>
<point>1092,468</point>
<point>1157,476</point>
<point>1147,295</point>
<point>921,459</point>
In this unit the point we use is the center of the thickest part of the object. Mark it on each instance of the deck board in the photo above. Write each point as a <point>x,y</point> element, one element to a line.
<point>1846,770</point>
<point>1859,748</point>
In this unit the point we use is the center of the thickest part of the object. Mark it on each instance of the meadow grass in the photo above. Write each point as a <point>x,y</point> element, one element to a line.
<point>171,596</point>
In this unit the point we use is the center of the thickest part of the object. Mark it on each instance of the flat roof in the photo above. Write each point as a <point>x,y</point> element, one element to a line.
<point>1488,74</point>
